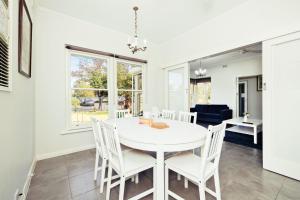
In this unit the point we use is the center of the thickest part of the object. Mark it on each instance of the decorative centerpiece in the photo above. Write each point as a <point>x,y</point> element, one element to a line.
<point>152,124</point>
<point>146,121</point>
<point>246,116</point>
<point>159,125</point>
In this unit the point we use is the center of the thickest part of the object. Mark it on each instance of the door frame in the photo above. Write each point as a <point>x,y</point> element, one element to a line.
<point>186,83</point>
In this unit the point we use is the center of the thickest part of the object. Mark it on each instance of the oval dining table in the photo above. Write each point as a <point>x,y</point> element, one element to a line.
<point>180,136</point>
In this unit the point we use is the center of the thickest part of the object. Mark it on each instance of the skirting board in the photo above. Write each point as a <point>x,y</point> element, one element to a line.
<point>28,180</point>
<point>64,152</point>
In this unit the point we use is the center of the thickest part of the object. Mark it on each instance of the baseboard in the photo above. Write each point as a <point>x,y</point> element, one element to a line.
<point>64,152</point>
<point>28,180</point>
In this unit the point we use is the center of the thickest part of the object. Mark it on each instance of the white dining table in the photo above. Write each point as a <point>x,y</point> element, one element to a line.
<point>180,136</point>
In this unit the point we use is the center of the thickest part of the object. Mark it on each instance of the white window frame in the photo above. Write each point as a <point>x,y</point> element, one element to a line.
<point>111,88</point>
<point>143,90</point>
<point>70,126</point>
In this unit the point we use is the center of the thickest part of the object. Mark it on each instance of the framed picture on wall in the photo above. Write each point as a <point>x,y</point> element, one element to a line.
<point>25,40</point>
<point>259,83</point>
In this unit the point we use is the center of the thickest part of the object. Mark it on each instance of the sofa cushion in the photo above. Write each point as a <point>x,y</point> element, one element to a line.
<point>201,108</point>
<point>212,116</point>
<point>216,108</point>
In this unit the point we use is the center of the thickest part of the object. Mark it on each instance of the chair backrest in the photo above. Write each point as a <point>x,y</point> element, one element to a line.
<point>188,117</point>
<point>99,137</point>
<point>168,114</point>
<point>155,113</point>
<point>113,146</point>
<point>122,113</point>
<point>213,146</point>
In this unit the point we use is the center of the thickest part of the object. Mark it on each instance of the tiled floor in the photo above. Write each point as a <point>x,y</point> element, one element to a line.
<point>242,178</point>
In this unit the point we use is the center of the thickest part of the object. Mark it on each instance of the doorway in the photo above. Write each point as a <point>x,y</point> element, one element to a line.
<point>242,98</point>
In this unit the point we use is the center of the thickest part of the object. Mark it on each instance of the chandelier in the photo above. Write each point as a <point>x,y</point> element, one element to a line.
<point>201,71</point>
<point>134,43</point>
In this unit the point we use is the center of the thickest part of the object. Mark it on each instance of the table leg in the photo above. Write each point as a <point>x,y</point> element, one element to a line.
<point>255,134</point>
<point>160,176</point>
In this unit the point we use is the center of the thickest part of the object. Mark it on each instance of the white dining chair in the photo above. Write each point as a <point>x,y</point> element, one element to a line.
<point>122,113</point>
<point>100,152</point>
<point>126,164</point>
<point>168,114</point>
<point>199,169</point>
<point>188,117</point>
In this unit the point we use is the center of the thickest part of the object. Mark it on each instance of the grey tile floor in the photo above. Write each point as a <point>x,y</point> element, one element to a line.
<point>70,177</point>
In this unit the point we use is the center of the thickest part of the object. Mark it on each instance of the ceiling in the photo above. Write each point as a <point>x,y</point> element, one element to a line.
<point>158,20</point>
<point>227,57</point>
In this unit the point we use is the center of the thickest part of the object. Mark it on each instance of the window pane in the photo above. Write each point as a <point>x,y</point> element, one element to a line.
<point>131,100</point>
<point>129,77</point>
<point>124,100</point>
<point>200,93</point>
<point>137,103</point>
<point>87,104</point>
<point>88,72</point>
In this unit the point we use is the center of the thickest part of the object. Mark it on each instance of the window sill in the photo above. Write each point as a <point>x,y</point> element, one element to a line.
<point>76,130</point>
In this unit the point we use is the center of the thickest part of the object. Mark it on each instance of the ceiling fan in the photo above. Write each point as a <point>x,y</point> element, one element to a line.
<point>243,51</point>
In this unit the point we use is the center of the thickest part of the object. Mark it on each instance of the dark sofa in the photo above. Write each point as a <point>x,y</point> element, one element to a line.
<point>213,114</point>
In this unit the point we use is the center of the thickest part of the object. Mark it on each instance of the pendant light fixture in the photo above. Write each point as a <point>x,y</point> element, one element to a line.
<point>135,44</point>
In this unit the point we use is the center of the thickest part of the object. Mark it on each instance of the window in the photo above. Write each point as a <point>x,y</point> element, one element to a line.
<point>89,89</point>
<point>200,91</point>
<point>130,87</point>
<point>4,46</point>
<point>99,85</point>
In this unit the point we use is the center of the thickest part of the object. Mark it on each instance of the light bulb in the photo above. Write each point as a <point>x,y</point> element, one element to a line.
<point>145,43</point>
<point>128,40</point>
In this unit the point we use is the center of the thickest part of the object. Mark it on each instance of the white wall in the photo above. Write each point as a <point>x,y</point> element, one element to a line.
<point>254,98</point>
<point>53,31</point>
<point>251,22</point>
<point>223,80</point>
<point>17,122</point>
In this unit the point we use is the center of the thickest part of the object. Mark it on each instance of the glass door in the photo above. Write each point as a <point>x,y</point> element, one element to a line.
<point>177,82</point>
<point>129,86</point>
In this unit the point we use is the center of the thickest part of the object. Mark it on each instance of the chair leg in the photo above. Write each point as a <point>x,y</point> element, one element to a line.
<point>217,185</point>
<point>178,177</point>
<point>166,183</point>
<point>96,165</point>
<point>186,183</point>
<point>202,191</point>
<point>137,179</point>
<point>122,188</point>
<point>103,170</point>
<point>108,182</point>
<point>154,182</point>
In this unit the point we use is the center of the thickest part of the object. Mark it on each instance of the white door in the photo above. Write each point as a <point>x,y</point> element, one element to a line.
<point>281,105</point>
<point>177,87</point>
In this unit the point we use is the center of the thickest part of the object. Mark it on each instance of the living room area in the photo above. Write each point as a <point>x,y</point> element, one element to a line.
<point>227,87</point>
